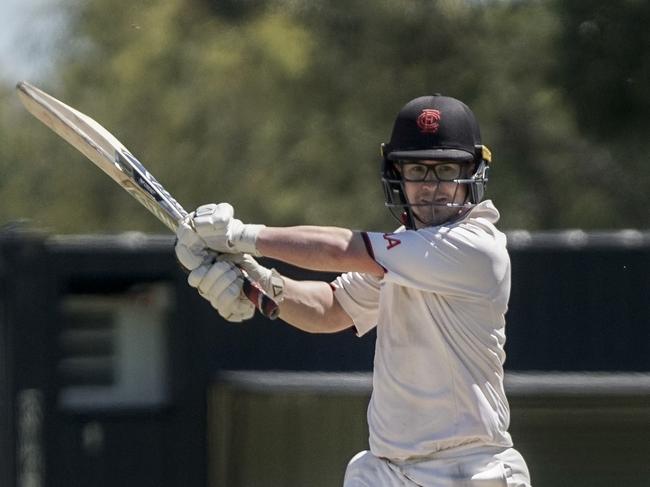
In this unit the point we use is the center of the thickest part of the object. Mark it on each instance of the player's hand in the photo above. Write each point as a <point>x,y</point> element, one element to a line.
<point>191,250</point>
<point>221,283</point>
<point>270,280</point>
<point>220,230</point>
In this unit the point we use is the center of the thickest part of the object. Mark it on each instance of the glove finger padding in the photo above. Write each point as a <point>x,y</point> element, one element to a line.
<point>213,216</point>
<point>241,310</point>
<point>217,278</point>
<point>212,223</point>
<point>191,249</point>
<point>221,284</point>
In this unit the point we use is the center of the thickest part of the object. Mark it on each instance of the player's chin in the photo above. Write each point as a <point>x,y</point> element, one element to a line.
<point>430,216</point>
<point>427,216</point>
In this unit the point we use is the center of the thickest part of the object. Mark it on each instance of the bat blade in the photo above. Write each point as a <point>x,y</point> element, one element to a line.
<point>111,156</point>
<point>104,150</point>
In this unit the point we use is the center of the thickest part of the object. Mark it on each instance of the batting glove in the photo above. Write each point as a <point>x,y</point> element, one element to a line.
<point>191,250</point>
<point>270,280</point>
<point>221,283</point>
<point>222,232</point>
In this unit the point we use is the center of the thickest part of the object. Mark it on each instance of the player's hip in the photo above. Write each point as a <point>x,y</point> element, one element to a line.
<point>476,467</point>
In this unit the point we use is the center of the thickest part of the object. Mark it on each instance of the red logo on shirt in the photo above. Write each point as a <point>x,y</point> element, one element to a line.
<point>391,241</point>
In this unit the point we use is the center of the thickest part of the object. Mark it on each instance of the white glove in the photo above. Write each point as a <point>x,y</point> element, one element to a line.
<point>191,250</point>
<point>218,230</point>
<point>221,284</point>
<point>270,280</point>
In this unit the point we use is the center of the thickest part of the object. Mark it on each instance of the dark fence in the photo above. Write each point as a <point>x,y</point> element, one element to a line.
<point>298,429</point>
<point>103,375</point>
<point>579,301</point>
<point>109,360</point>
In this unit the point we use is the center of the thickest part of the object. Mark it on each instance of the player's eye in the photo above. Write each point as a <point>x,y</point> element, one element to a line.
<point>448,171</point>
<point>414,172</point>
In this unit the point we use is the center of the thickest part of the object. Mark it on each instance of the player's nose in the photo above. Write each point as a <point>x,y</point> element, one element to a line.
<point>429,184</point>
<point>429,187</point>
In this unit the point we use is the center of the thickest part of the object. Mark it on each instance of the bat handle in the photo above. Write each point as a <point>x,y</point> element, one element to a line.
<point>262,301</point>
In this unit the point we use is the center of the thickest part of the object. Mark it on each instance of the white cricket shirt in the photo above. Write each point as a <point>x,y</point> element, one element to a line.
<point>439,312</point>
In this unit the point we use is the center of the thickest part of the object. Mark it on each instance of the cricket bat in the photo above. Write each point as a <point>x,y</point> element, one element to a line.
<point>112,157</point>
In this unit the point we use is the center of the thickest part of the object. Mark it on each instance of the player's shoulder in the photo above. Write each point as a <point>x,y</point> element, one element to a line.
<point>477,230</point>
<point>480,222</point>
<point>483,245</point>
<point>484,215</point>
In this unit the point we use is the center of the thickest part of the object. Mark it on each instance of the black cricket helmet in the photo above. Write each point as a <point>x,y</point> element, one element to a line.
<point>437,128</point>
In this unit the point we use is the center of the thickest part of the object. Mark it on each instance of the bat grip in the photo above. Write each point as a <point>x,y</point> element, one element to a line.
<point>262,301</point>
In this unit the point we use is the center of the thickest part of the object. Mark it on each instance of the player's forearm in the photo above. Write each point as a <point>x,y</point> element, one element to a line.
<point>318,248</point>
<point>311,306</point>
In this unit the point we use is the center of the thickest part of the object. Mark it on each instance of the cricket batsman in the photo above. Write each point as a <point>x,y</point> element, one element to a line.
<point>436,289</point>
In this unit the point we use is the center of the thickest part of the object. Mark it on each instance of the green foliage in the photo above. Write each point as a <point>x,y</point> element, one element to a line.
<point>605,63</point>
<point>603,67</point>
<point>280,106</point>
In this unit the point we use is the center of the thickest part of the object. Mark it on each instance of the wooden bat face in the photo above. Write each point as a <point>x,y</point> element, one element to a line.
<point>102,148</point>
<point>148,191</point>
<point>108,153</point>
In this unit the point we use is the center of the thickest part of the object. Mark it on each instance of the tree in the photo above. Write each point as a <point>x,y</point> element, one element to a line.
<point>279,107</point>
<point>603,67</point>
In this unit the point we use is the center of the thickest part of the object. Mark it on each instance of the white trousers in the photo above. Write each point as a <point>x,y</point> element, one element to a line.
<point>475,467</point>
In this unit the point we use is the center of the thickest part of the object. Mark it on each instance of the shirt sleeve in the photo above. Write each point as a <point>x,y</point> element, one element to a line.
<point>468,259</point>
<point>358,295</point>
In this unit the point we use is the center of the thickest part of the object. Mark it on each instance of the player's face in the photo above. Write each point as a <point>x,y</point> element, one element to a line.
<point>430,187</point>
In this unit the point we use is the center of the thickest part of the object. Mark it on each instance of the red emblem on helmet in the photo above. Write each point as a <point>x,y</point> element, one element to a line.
<point>428,121</point>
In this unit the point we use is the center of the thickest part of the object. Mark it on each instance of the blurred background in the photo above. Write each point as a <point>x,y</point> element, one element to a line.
<point>115,373</point>
<point>279,106</point>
